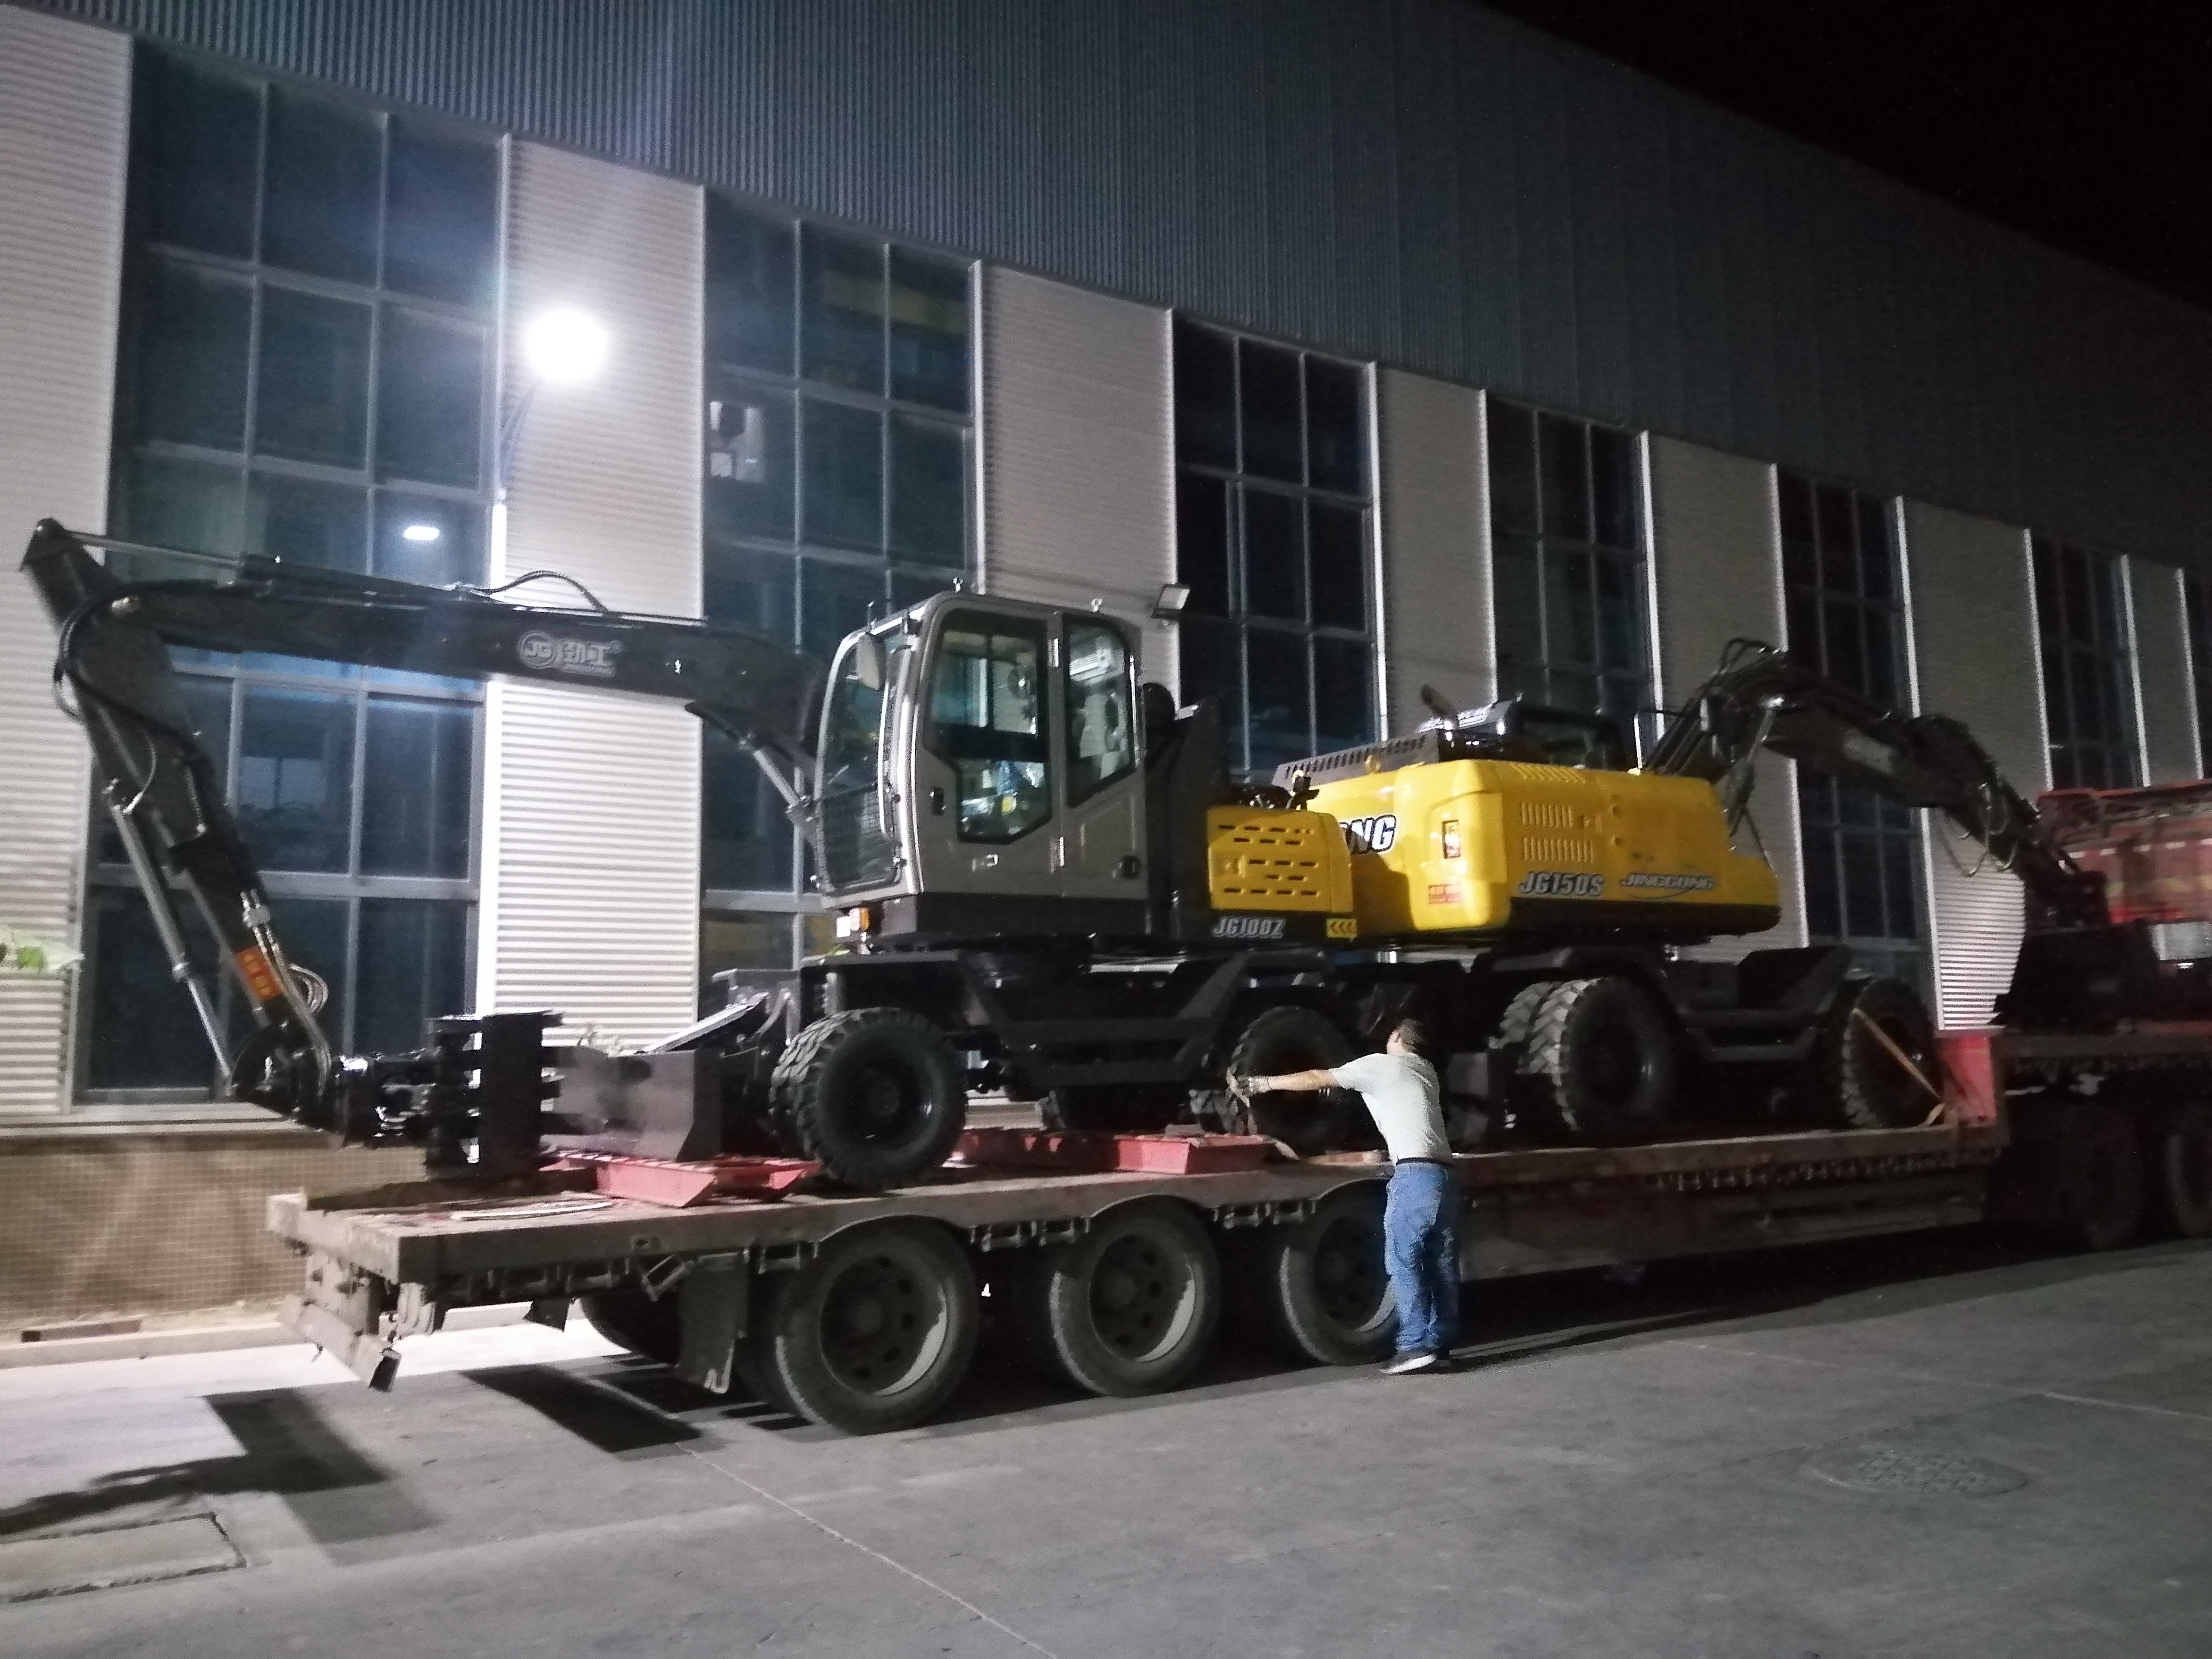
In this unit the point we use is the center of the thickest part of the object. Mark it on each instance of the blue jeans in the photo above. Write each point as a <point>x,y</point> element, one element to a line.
<point>1420,1248</point>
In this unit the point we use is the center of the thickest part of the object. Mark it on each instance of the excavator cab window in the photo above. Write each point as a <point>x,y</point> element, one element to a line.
<point>1102,731</point>
<point>987,718</point>
<point>856,849</point>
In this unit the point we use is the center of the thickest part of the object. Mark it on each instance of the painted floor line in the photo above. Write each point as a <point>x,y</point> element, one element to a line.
<point>926,1582</point>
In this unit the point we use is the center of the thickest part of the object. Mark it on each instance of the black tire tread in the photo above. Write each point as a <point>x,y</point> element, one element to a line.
<point>1544,1061</point>
<point>811,1118</point>
<point>1848,1087</point>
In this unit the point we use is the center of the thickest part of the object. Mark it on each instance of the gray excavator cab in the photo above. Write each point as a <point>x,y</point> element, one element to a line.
<point>981,775</point>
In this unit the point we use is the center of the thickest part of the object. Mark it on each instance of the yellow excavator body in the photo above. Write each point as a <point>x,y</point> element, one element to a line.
<point>1489,845</point>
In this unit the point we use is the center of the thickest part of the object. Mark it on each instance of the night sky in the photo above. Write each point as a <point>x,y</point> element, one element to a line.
<point>2088,126</point>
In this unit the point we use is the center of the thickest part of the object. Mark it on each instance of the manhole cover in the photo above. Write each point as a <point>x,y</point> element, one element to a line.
<point>1904,1469</point>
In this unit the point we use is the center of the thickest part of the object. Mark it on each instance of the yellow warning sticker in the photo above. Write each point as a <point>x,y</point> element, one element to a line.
<point>1344,928</point>
<point>260,979</point>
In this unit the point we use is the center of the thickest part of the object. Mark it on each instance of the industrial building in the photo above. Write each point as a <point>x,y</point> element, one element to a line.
<point>1422,350</point>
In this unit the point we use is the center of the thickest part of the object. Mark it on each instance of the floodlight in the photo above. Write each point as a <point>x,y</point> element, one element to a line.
<point>564,346</point>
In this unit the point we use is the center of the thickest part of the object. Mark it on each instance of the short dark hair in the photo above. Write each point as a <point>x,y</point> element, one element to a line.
<point>1412,1034</point>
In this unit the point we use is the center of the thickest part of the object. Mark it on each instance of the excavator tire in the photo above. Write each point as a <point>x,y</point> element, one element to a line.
<point>1598,1058</point>
<point>1856,1078</point>
<point>1294,1038</point>
<point>874,1095</point>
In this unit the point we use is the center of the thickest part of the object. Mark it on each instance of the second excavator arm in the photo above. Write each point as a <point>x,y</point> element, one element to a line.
<point>1761,697</point>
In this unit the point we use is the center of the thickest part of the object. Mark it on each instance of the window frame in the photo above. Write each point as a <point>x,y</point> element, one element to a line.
<point>799,560</point>
<point>253,469</point>
<point>1836,820</point>
<point>2118,749</point>
<point>1238,623</point>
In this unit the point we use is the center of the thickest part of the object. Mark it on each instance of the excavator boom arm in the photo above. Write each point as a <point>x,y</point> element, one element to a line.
<point>165,795</point>
<point>1761,697</point>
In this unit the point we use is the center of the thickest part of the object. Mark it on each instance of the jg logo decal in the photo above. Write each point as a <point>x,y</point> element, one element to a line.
<point>1375,835</point>
<point>1248,927</point>
<point>548,654</point>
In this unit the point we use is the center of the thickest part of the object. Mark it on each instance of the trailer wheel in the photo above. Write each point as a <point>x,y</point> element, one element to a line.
<point>1856,1078</point>
<point>1316,1289</point>
<point>2096,1176</point>
<point>1130,1308</point>
<point>874,1095</point>
<point>2181,1167</point>
<point>1598,1057</point>
<point>634,1321</point>
<point>874,1333</point>
<point>1294,1038</point>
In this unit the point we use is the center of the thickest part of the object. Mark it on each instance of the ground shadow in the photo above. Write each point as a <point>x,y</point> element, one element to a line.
<point>287,1449</point>
<point>610,1414</point>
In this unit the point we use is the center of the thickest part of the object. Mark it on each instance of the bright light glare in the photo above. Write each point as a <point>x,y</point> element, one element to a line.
<point>420,532</point>
<point>564,346</point>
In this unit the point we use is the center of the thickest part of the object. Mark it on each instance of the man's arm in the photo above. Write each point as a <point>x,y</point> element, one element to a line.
<point>1286,1082</point>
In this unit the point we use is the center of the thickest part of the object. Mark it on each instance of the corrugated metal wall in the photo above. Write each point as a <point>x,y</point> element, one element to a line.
<point>1077,464</point>
<point>1973,624</point>
<point>65,102</point>
<point>1435,509</point>
<point>1419,181</point>
<point>1716,576</point>
<point>591,874</point>
<point>2166,697</point>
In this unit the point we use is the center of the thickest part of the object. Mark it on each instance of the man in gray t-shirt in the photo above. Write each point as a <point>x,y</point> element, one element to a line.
<point>1420,1214</point>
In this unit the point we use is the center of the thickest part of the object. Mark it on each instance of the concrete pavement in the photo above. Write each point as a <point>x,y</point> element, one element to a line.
<point>1773,1457</point>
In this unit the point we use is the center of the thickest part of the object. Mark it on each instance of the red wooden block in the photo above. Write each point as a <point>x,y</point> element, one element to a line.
<point>679,1185</point>
<point>1035,1149</point>
<point>1190,1154</point>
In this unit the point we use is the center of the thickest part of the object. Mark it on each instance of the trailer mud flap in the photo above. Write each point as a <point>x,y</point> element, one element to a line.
<point>367,1356</point>
<point>711,1307</point>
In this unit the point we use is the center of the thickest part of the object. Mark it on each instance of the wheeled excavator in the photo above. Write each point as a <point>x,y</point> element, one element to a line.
<point>1045,881</point>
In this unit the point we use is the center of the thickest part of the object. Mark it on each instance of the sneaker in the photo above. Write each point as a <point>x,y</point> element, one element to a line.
<point>1410,1364</point>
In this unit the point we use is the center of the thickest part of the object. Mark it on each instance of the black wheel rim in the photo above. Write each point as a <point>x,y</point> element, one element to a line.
<point>1139,1297</point>
<point>886,1105</point>
<point>1349,1283</point>
<point>882,1324</point>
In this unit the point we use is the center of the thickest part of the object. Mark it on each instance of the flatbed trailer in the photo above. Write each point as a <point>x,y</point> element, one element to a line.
<point>863,1310</point>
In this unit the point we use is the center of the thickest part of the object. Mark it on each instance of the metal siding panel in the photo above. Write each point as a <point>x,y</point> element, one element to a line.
<point>591,873</point>
<point>65,122</point>
<point>1078,469</point>
<point>1973,627</point>
<point>2165,699</point>
<point>1404,182</point>
<point>1715,578</point>
<point>1435,544</point>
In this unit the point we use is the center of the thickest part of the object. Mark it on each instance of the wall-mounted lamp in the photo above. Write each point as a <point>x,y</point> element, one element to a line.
<point>1169,606</point>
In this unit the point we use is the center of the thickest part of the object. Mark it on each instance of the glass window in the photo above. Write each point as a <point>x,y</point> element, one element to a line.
<point>311,394</point>
<point>2088,668</point>
<point>1841,595</point>
<point>1272,517</point>
<point>325,174</point>
<point>146,1033</point>
<point>442,227</point>
<point>929,330</point>
<point>1567,564</point>
<point>318,214</point>
<point>750,272</point>
<point>837,479</point>
<point>293,793</point>
<point>1100,698</point>
<point>195,156</point>
<point>430,399</point>
<point>986,717</point>
<point>842,324</point>
<point>418,767</point>
<point>929,491</point>
<point>193,330</point>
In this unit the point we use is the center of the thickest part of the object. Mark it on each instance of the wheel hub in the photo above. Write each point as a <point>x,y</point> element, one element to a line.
<point>1135,1293</point>
<point>876,1322</point>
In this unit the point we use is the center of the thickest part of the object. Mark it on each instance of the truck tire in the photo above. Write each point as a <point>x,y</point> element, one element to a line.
<point>1130,1308</point>
<point>1599,1058</point>
<point>874,1334</point>
<point>1296,1038</point>
<point>630,1319</point>
<point>1855,1079</point>
<point>2181,1171</point>
<point>1317,1290</point>
<point>2095,1176</point>
<point>875,1096</point>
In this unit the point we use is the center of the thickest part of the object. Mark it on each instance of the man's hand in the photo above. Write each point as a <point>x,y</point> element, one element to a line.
<point>1241,1086</point>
